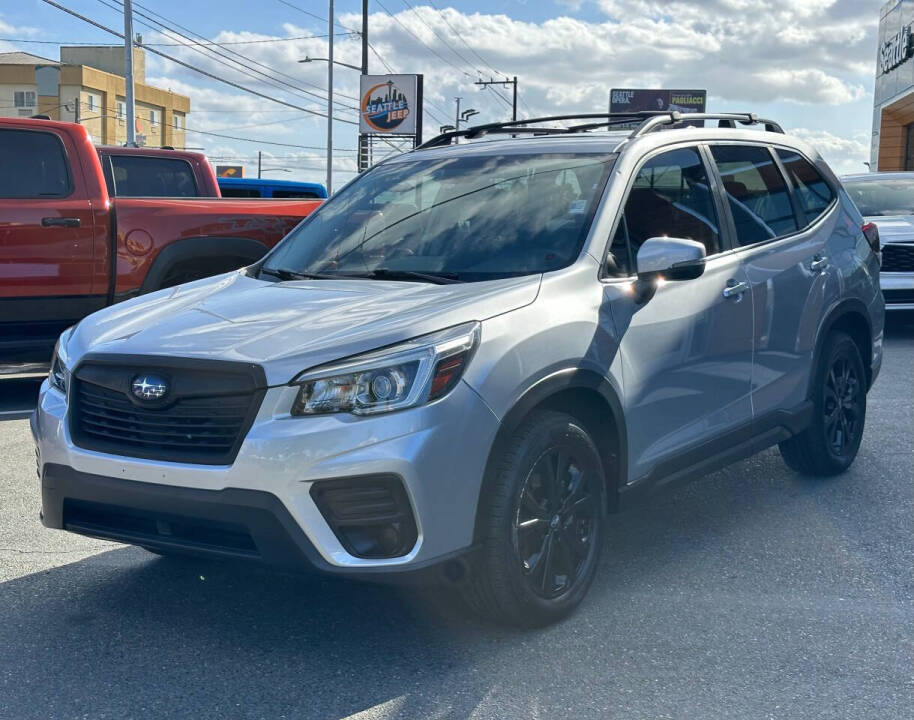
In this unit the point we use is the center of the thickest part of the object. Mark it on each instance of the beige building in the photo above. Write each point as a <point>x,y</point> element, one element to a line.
<point>87,86</point>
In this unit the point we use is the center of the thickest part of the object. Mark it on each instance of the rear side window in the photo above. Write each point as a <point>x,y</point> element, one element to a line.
<point>147,176</point>
<point>756,192</point>
<point>813,193</point>
<point>670,197</point>
<point>239,192</point>
<point>294,194</point>
<point>35,165</point>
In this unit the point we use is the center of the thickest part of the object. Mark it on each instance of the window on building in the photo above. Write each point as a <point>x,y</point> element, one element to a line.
<point>154,117</point>
<point>24,99</point>
<point>812,192</point>
<point>179,121</point>
<point>909,147</point>
<point>92,102</point>
<point>670,197</point>
<point>148,176</point>
<point>121,110</point>
<point>42,169</point>
<point>756,192</point>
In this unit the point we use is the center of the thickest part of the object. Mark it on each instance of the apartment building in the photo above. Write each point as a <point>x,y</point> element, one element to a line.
<point>87,86</point>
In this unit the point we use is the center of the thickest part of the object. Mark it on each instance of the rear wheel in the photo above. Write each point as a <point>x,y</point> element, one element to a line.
<point>543,524</point>
<point>830,444</point>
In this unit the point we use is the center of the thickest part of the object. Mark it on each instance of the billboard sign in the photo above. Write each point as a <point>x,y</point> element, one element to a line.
<point>390,104</point>
<point>230,171</point>
<point>639,100</point>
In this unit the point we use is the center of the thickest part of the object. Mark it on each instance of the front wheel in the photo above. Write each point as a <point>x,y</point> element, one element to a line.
<point>543,525</point>
<point>830,443</point>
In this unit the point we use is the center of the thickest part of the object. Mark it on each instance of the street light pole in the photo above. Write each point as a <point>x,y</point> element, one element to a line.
<point>330,105</point>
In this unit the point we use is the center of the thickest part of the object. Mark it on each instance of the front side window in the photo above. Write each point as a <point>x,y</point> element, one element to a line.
<point>756,192</point>
<point>42,170</point>
<point>812,192</point>
<point>146,176</point>
<point>670,197</point>
<point>469,217</point>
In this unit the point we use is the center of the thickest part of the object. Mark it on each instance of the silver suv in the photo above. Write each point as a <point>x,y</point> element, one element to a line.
<point>469,356</point>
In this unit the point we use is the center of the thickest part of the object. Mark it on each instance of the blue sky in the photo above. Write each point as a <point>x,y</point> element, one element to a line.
<point>808,63</point>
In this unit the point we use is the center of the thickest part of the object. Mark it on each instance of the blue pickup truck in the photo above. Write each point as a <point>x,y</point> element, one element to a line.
<point>262,188</point>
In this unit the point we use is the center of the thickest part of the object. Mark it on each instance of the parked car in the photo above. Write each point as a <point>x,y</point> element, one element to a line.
<point>886,199</point>
<point>472,353</point>
<point>68,248</point>
<point>156,172</point>
<point>262,188</point>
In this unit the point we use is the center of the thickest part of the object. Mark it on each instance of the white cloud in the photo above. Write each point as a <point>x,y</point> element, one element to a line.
<point>843,154</point>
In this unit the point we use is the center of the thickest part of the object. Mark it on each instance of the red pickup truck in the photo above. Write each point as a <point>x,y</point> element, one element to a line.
<point>68,248</point>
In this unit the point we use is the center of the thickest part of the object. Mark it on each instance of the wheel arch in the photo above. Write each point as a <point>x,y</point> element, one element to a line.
<point>849,316</point>
<point>588,397</point>
<point>199,248</point>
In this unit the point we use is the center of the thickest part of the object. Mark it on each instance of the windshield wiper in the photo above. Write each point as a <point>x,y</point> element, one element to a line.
<point>438,278</point>
<point>285,274</point>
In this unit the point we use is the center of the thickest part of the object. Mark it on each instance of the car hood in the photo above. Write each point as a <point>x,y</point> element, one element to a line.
<point>894,228</point>
<point>287,327</point>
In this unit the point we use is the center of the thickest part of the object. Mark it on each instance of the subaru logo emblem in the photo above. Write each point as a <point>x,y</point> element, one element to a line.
<point>149,387</point>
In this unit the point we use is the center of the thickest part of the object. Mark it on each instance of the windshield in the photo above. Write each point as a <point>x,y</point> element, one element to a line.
<point>466,218</point>
<point>882,197</point>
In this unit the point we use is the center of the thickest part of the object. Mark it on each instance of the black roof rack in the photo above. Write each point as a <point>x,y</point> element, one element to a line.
<point>649,121</point>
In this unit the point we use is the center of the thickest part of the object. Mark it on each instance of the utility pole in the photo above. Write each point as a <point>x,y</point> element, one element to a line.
<point>76,110</point>
<point>504,83</point>
<point>457,118</point>
<point>330,105</point>
<point>128,72</point>
<point>259,162</point>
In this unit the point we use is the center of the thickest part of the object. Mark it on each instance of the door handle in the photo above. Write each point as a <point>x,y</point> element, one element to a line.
<point>60,222</point>
<point>735,289</point>
<point>818,263</point>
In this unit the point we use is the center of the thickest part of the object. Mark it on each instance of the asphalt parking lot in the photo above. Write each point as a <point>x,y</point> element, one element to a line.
<point>752,593</point>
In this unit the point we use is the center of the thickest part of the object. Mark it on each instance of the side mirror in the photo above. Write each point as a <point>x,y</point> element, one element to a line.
<point>671,259</point>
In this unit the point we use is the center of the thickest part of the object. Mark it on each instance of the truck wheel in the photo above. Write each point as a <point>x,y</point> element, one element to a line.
<point>190,270</point>
<point>830,443</point>
<point>542,525</point>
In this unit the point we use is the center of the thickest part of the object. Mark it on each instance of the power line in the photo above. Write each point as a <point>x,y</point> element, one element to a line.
<point>461,38</point>
<point>242,67</point>
<point>221,43</point>
<point>435,32</point>
<point>225,81</point>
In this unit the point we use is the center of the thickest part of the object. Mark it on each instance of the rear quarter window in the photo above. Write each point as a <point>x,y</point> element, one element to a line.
<point>35,165</point>
<point>813,193</point>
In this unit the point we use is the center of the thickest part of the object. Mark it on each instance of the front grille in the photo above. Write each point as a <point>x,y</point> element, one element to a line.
<point>897,257</point>
<point>203,419</point>
<point>139,526</point>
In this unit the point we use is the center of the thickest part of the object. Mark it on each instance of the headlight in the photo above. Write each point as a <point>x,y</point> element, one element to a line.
<point>397,377</point>
<point>59,375</point>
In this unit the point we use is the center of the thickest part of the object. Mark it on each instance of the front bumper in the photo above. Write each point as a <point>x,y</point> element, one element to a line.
<point>898,290</point>
<point>438,451</point>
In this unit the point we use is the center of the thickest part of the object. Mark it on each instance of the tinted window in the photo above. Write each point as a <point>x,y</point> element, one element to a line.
<point>35,165</point>
<point>476,217</point>
<point>239,192</point>
<point>670,197</point>
<point>882,196</point>
<point>147,176</point>
<point>813,193</point>
<point>756,192</point>
<point>294,194</point>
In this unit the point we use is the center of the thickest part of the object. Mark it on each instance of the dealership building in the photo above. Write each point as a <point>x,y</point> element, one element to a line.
<point>893,111</point>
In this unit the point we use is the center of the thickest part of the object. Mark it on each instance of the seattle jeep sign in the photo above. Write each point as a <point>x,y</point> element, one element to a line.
<point>895,50</point>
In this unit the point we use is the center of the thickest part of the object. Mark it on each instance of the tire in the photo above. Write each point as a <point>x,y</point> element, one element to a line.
<point>190,270</point>
<point>829,445</point>
<point>541,540</point>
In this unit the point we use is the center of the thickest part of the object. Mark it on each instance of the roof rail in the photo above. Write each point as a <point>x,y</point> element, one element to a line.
<point>728,120</point>
<point>650,120</point>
